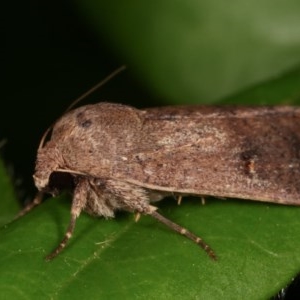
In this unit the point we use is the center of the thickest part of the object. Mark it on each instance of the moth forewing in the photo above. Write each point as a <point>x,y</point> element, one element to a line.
<point>239,152</point>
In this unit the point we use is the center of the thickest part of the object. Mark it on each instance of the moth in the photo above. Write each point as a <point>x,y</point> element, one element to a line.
<point>116,157</point>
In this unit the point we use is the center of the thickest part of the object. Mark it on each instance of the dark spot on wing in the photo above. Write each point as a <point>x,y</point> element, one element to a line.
<point>83,121</point>
<point>249,159</point>
<point>248,154</point>
<point>86,124</point>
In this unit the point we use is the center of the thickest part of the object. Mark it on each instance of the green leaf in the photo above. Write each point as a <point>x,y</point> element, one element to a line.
<point>283,90</point>
<point>199,50</point>
<point>256,244</point>
<point>8,204</point>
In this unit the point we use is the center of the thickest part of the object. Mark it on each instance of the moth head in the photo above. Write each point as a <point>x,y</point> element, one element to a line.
<point>47,162</point>
<point>50,176</point>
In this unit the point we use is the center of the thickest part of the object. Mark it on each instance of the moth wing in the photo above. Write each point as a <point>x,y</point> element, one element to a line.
<point>250,153</point>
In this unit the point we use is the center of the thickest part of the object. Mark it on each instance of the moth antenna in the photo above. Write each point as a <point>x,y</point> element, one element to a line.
<point>196,239</point>
<point>83,96</point>
<point>97,86</point>
<point>42,142</point>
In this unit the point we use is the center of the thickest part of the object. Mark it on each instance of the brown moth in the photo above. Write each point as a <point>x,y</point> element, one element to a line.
<point>118,157</point>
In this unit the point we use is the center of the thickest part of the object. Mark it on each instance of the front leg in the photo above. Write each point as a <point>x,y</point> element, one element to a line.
<point>78,204</point>
<point>101,198</point>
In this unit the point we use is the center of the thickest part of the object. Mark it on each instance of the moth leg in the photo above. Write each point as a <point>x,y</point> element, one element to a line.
<point>179,199</point>
<point>196,239</point>
<point>36,201</point>
<point>137,216</point>
<point>78,203</point>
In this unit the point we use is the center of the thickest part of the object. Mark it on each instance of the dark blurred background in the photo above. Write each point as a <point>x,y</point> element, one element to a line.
<point>50,57</point>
